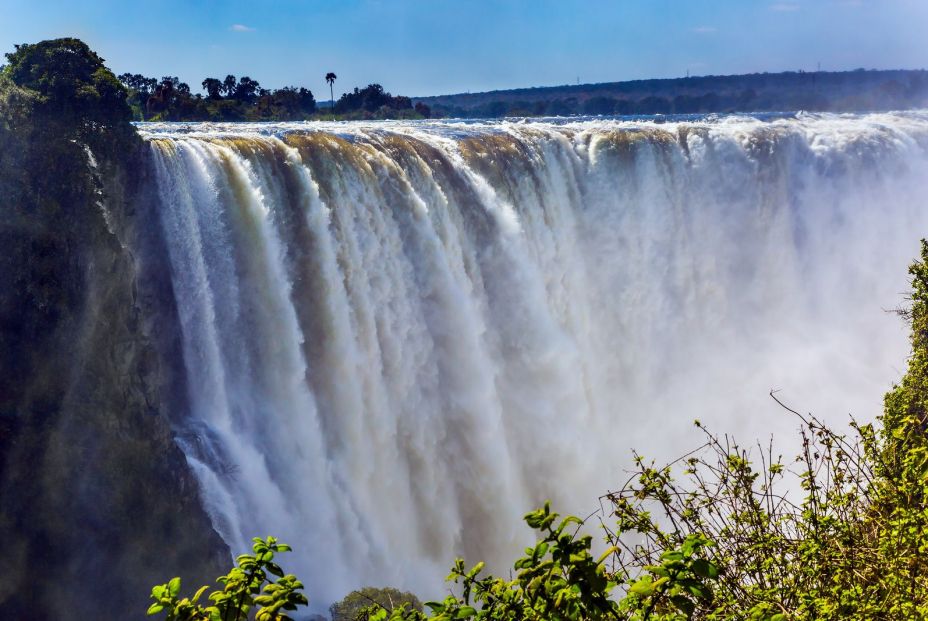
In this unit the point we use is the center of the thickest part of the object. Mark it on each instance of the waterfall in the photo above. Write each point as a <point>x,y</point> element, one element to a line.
<point>399,337</point>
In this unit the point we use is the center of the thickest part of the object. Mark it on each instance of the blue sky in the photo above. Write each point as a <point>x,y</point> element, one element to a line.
<point>420,47</point>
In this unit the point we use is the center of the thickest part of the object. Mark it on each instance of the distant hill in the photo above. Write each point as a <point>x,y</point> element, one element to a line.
<point>844,91</point>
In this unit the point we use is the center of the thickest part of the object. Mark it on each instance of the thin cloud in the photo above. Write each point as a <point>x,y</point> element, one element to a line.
<point>784,6</point>
<point>241,28</point>
<point>704,30</point>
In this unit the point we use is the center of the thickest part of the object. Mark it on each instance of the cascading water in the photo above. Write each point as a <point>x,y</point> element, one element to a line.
<point>399,337</point>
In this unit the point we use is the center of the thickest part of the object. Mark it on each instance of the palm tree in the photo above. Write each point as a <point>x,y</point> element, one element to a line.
<point>330,78</point>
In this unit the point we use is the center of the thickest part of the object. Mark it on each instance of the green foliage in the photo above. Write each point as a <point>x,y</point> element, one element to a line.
<point>853,546</point>
<point>73,84</point>
<point>246,588</point>
<point>371,98</point>
<point>675,587</point>
<point>243,99</point>
<point>356,604</point>
<point>773,555</point>
<point>57,101</point>
<point>559,579</point>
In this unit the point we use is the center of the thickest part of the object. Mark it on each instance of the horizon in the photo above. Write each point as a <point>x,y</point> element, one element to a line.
<point>422,49</point>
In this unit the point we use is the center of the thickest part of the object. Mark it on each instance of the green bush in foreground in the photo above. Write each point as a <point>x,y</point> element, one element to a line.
<point>716,534</point>
<point>355,602</point>
<point>248,587</point>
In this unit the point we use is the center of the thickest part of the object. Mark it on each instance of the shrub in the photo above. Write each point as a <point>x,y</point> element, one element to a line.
<point>352,606</point>
<point>247,587</point>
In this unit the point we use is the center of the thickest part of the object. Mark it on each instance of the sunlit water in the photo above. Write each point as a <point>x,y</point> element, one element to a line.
<point>400,336</point>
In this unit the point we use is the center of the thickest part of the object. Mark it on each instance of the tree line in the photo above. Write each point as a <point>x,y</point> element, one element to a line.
<point>244,99</point>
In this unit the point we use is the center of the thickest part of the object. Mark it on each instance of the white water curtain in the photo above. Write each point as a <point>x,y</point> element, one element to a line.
<point>400,337</point>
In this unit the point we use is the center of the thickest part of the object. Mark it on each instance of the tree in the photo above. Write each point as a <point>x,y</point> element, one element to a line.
<point>348,609</point>
<point>288,102</point>
<point>229,85</point>
<point>247,90</point>
<point>138,82</point>
<point>213,88</point>
<point>372,98</point>
<point>307,101</point>
<point>140,89</point>
<point>330,78</point>
<point>72,82</point>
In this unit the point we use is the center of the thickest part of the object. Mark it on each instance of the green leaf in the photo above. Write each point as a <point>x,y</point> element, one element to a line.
<point>705,569</point>
<point>174,586</point>
<point>155,609</point>
<point>643,587</point>
<point>657,570</point>
<point>696,589</point>
<point>683,604</point>
<point>199,593</point>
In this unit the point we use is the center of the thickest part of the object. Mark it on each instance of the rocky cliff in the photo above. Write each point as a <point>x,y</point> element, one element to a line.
<point>96,501</point>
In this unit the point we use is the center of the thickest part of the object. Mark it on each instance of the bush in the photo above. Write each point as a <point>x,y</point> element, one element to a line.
<point>247,587</point>
<point>852,547</point>
<point>353,605</point>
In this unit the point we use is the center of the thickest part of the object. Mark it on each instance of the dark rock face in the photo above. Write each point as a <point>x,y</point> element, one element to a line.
<point>97,503</point>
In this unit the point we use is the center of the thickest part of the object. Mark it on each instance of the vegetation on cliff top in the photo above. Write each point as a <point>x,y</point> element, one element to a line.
<point>243,99</point>
<point>730,540</point>
<point>74,93</point>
